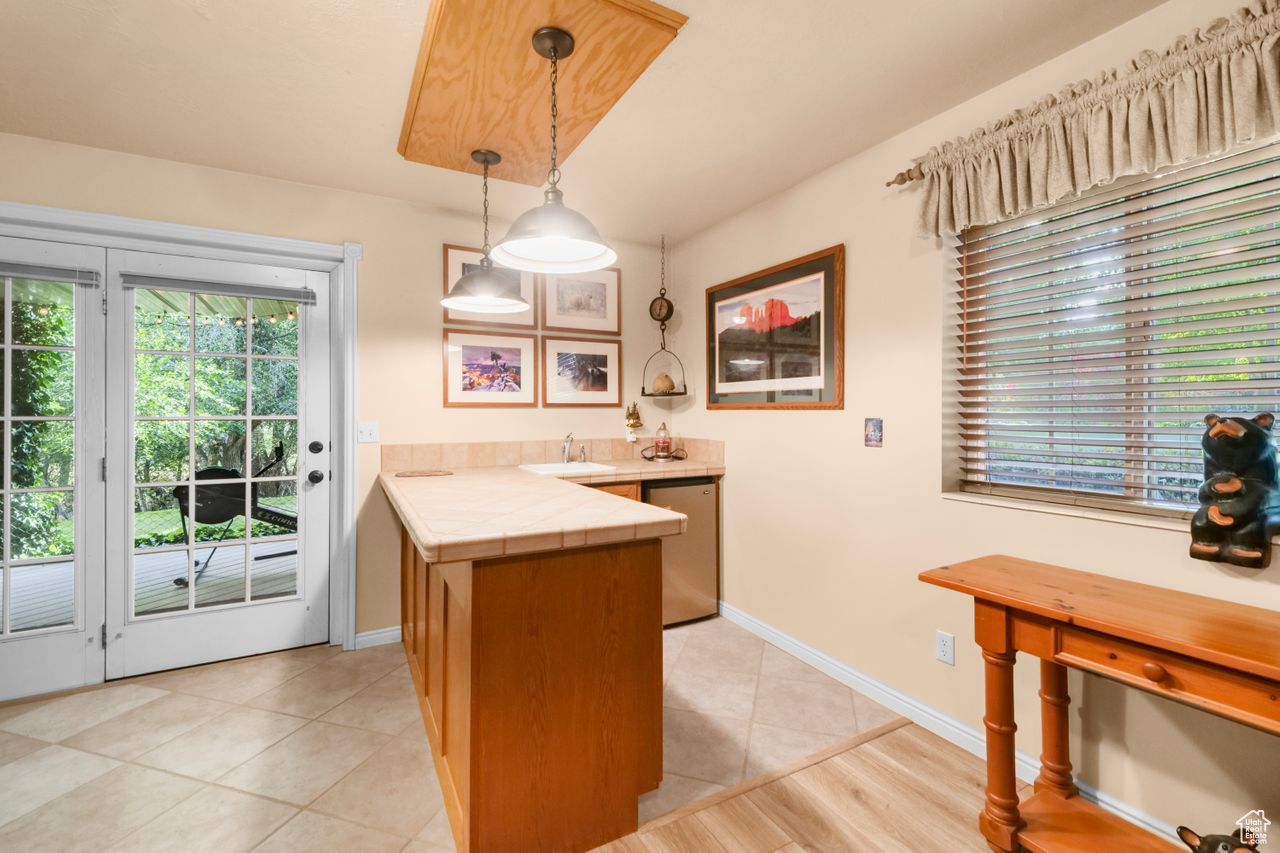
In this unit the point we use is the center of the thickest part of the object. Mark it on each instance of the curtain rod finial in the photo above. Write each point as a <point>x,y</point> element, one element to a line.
<point>915,173</point>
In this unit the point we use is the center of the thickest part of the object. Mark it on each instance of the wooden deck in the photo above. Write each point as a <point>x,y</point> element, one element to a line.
<point>43,596</point>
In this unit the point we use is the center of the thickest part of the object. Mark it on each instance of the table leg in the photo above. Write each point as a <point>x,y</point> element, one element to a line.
<point>1000,820</point>
<point>1055,757</point>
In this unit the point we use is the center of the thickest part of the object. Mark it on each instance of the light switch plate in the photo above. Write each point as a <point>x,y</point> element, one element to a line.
<point>367,432</point>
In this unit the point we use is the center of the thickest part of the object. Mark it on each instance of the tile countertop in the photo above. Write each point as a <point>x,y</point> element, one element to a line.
<point>477,513</point>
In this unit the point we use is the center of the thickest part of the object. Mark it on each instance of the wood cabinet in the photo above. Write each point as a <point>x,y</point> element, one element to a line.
<point>539,677</point>
<point>626,490</point>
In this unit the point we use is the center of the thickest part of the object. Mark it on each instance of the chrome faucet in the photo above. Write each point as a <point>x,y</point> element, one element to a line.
<point>566,448</point>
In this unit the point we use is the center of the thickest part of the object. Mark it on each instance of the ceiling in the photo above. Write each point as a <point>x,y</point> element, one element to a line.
<point>751,97</point>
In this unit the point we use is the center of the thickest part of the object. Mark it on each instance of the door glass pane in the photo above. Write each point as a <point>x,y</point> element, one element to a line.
<point>43,313</point>
<point>219,575</point>
<point>275,387</point>
<point>220,323</point>
<point>275,509</point>
<point>41,524</point>
<point>240,417</point>
<point>275,327</point>
<point>220,444</point>
<point>159,582</point>
<point>161,385</point>
<point>42,595</point>
<point>220,386</point>
<point>275,448</point>
<point>273,569</point>
<point>219,511</point>
<point>157,520</point>
<point>41,454</point>
<point>43,383</point>
<point>162,321</point>
<point>160,451</point>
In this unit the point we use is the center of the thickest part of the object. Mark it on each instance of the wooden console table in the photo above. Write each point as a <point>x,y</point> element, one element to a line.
<point>1215,655</point>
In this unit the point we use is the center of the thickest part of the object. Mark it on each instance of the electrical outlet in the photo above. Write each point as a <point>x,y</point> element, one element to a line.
<point>367,432</point>
<point>944,647</point>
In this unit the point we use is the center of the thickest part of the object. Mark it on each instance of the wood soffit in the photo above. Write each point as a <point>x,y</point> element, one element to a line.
<point>479,84</point>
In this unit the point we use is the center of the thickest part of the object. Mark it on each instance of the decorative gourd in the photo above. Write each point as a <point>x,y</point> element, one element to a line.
<point>663,384</point>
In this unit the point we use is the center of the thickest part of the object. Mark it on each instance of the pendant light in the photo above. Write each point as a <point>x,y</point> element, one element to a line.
<point>486,290</point>
<point>552,238</point>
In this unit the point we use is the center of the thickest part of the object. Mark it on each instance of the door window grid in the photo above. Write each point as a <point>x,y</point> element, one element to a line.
<point>241,559</point>
<point>38,585</point>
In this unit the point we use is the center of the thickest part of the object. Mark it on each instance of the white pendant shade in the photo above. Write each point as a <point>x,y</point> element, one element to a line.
<point>485,291</point>
<point>552,238</point>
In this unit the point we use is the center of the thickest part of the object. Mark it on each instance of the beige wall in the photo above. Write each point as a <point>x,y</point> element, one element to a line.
<point>823,537</point>
<point>399,313</point>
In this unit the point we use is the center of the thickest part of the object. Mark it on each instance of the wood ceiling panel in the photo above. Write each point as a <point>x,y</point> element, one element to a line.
<point>479,84</point>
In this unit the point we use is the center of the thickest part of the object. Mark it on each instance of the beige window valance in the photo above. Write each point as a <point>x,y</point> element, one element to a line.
<point>1211,91</point>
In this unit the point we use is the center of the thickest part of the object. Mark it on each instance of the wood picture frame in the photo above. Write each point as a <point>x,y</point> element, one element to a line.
<point>456,261</point>
<point>789,351</point>
<point>562,367</point>
<point>490,369</point>
<point>583,303</point>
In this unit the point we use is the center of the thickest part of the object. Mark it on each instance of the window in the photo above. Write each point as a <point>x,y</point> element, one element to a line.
<point>1094,336</point>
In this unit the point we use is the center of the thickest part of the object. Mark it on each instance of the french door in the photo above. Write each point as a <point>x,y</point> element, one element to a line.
<point>51,521</point>
<point>165,494</point>
<point>218,461</point>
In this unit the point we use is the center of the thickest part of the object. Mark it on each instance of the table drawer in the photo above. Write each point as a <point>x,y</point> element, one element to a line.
<point>1243,697</point>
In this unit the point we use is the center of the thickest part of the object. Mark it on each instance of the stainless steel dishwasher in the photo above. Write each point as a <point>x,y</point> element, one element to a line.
<point>690,562</point>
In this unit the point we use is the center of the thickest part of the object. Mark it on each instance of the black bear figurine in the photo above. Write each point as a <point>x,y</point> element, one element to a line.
<point>1240,489</point>
<point>1213,843</point>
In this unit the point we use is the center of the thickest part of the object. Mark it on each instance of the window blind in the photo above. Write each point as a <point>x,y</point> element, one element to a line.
<point>1095,336</point>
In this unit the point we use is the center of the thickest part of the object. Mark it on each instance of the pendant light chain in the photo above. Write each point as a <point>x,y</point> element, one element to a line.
<point>662,290</point>
<point>485,189</point>
<point>553,176</point>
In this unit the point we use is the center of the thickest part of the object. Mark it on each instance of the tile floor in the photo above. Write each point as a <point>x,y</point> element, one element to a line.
<point>315,749</point>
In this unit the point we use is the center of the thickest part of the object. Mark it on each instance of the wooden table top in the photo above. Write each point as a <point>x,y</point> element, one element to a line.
<point>1238,636</point>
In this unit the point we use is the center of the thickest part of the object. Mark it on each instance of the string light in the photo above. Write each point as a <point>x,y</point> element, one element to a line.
<point>239,322</point>
<point>43,310</point>
<point>290,315</point>
<point>272,321</point>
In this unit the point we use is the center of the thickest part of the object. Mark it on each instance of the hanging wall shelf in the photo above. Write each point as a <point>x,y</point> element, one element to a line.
<point>663,374</point>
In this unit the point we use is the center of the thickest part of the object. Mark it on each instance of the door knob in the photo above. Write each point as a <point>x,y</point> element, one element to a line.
<point>316,447</point>
<point>316,476</point>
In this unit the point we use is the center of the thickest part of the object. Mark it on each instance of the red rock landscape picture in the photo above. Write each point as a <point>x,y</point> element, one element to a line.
<point>771,339</point>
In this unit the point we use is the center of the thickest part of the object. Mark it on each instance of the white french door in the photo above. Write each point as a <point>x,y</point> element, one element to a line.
<point>217,540</point>
<point>52,494</point>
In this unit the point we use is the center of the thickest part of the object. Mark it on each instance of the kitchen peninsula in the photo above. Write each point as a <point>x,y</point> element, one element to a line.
<point>531,614</point>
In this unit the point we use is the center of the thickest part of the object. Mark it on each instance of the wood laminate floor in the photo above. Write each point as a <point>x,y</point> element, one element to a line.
<point>895,788</point>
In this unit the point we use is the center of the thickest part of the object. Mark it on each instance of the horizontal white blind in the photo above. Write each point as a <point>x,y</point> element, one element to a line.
<point>1096,335</point>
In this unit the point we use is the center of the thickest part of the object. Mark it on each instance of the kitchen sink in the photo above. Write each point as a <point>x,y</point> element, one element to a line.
<point>568,469</point>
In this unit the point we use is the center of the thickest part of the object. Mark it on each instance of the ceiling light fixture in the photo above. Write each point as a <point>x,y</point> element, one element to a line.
<point>485,290</point>
<point>552,238</point>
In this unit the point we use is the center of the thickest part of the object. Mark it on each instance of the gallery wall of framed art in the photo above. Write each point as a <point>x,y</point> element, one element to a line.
<point>775,338</point>
<point>548,355</point>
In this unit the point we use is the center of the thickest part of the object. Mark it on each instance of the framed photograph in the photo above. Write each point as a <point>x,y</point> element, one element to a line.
<point>583,302</point>
<point>581,372</point>
<point>775,338</point>
<point>873,432</point>
<point>460,260</point>
<point>485,369</point>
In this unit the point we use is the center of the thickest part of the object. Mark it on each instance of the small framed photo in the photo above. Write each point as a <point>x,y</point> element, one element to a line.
<point>583,302</point>
<point>460,260</point>
<point>873,432</point>
<point>485,369</point>
<point>581,372</point>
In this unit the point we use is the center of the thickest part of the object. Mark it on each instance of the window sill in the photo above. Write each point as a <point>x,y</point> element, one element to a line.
<point>1114,517</point>
<point>1132,519</point>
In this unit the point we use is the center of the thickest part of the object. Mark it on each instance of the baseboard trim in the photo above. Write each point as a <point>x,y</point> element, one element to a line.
<point>380,637</point>
<point>927,717</point>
